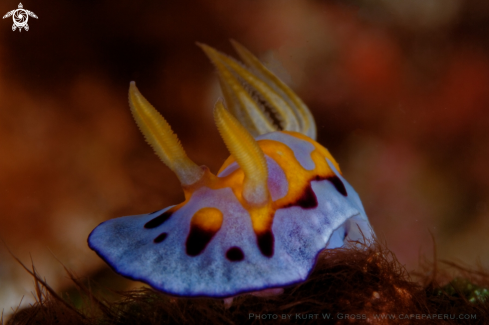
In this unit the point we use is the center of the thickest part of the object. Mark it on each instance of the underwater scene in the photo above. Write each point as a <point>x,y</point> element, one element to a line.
<point>244,162</point>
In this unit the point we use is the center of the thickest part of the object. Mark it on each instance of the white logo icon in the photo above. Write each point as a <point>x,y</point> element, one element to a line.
<point>20,16</point>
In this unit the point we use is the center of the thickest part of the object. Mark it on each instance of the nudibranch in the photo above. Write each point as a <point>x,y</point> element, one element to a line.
<point>260,223</point>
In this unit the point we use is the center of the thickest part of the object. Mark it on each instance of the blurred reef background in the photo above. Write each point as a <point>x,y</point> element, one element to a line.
<point>399,91</point>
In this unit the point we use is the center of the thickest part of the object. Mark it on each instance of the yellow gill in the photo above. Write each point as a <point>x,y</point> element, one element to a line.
<point>240,85</point>
<point>239,101</point>
<point>301,111</point>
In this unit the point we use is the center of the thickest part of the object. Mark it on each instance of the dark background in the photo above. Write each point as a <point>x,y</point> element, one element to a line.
<point>399,91</point>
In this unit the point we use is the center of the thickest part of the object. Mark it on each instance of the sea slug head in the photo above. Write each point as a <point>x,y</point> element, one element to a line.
<point>262,220</point>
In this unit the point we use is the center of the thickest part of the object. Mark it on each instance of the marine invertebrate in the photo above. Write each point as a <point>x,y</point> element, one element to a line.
<point>260,223</point>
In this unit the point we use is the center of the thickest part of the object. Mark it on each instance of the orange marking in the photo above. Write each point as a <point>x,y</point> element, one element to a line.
<point>297,177</point>
<point>322,150</point>
<point>207,219</point>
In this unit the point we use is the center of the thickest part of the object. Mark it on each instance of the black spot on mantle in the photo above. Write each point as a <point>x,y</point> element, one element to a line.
<point>161,237</point>
<point>235,254</point>
<point>197,240</point>
<point>266,242</point>
<point>338,184</point>
<point>158,221</point>
<point>308,199</point>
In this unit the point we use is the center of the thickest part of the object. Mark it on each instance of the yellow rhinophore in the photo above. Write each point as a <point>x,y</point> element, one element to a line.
<point>247,153</point>
<point>160,136</point>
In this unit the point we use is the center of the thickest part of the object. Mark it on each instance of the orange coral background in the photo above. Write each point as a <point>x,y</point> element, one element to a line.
<point>399,90</point>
